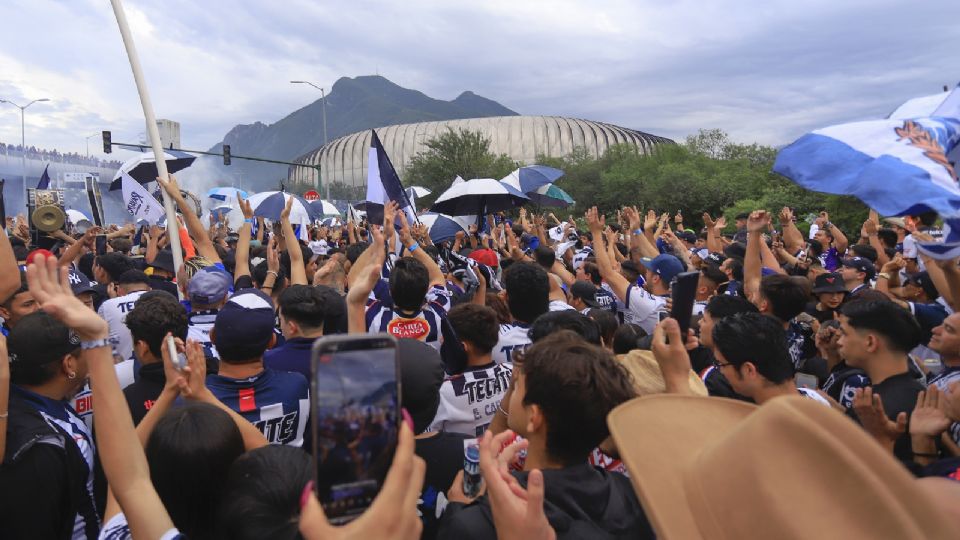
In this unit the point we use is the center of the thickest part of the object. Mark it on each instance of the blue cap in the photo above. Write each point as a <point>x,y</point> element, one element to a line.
<point>244,325</point>
<point>208,286</point>
<point>666,266</point>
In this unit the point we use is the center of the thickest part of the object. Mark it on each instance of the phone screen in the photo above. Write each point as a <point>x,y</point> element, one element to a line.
<point>684,292</point>
<point>101,244</point>
<point>355,401</point>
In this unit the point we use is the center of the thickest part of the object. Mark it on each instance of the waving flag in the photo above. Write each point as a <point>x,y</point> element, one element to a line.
<point>44,182</point>
<point>897,166</point>
<point>383,184</point>
<point>139,202</point>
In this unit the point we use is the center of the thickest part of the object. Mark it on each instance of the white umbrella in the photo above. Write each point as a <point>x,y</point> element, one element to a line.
<point>269,204</point>
<point>478,197</point>
<point>324,208</point>
<point>76,216</point>
<point>419,191</point>
<point>441,227</point>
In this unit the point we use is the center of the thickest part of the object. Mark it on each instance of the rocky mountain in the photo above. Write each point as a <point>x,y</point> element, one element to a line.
<point>352,105</point>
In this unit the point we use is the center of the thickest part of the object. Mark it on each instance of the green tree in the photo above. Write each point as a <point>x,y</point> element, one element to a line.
<point>455,153</point>
<point>341,191</point>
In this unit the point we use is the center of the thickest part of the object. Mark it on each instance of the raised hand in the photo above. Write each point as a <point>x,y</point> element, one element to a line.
<point>273,256</point>
<point>786,215</point>
<point>678,219</point>
<point>758,221</point>
<point>285,213</point>
<point>595,221</point>
<point>245,207</point>
<point>389,213</point>
<point>721,223</point>
<point>869,409</point>
<point>650,221</point>
<point>928,417</point>
<point>671,354</point>
<point>50,287</point>
<point>171,186</point>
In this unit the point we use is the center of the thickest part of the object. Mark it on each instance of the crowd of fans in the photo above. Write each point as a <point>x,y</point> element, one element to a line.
<point>31,152</point>
<point>816,392</point>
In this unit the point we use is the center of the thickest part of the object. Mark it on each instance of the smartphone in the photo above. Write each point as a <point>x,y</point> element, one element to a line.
<point>101,244</point>
<point>684,292</point>
<point>805,380</point>
<point>179,359</point>
<point>355,406</point>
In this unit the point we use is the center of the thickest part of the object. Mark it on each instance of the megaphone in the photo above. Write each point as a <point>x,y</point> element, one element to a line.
<point>48,218</point>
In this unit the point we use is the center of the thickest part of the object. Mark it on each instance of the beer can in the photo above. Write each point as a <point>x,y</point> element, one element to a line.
<point>471,471</point>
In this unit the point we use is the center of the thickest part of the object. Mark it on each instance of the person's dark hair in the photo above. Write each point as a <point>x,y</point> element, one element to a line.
<point>866,251</point>
<point>545,257</point>
<point>476,324</point>
<point>121,245</point>
<point>302,304</point>
<point>713,274</point>
<point>758,339</point>
<point>305,252</point>
<point>152,318</point>
<point>606,321</point>
<point>626,336</point>
<point>591,269</point>
<point>567,319</point>
<point>576,385</point>
<point>189,452</point>
<point>355,250</point>
<point>725,305</point>
<point>85,265</point>
<point>261,497</point>
<point>334,311</point>
<point>409,281</point>
<point>736,268</point>
<point>888,237</point>
<point>494,301</point>
<point>528,291</point>
<point>432,251</point>
<point>114,264</point>
<point>927,219</point>
<point>897,325</point>
<point>788,295</point>
<point>815,248</point>
<point>259,275</point>
<point>131,277</point>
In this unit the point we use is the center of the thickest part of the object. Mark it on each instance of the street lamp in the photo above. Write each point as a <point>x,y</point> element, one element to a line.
<point>23,144</point>
<point>323,107</point>
<point>88,137</point>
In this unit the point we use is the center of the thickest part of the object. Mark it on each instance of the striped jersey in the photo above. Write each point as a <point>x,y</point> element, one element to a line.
<point>425,325</point>
<point>511,338</point>
<point>199,325</point>
<point>581,256</point>
<point>469,400</point>
<point>276,402</point>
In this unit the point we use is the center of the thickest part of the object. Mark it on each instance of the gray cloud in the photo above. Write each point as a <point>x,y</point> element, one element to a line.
<point>763,71</point>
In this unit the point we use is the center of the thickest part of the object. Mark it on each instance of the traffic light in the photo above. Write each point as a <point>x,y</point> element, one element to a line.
<point>107,143</point>
<point>226,154</point>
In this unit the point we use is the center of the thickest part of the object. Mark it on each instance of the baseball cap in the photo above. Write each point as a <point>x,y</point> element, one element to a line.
<point>79,283</point>
<point>715,258</point>
<point>244,325</point>
<point>861,264</point>
<point>39,339</point>
<point>485,256</point>
<point>694,464</point>
<point>736,250</point>
<point>703,253</point>
<point>687,236</point>
<point>826,283</point>
<point>897,221</point>
<point>421,375</point>
<point>586,291</point>
<point>923,281</point>
<point>665,266</point>
<point>208,286</point>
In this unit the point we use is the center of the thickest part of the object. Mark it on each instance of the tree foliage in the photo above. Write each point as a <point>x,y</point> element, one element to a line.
<point>455,153</point>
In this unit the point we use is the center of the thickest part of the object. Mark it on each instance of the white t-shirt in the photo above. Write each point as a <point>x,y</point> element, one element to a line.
<point>82,403</point>
<point>116,528</point>
<point>560,305</point>
<point>114,311</point>
<point>512,337</point>
<point>469,400</point>
<point>812,394</point>
<point>641,308</point>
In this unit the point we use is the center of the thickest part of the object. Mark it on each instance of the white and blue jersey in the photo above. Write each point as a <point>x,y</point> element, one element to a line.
<point>642,308</point>
<point>276,402</point>
<point>425,325</point>
<point>512,338</point>
<point>581,256</point>
<point>199,325</point>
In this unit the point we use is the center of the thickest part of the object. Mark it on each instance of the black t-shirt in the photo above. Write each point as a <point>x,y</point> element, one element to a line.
<point>822,316</point>
<point>143,392</point>
<point>444,456</point>
<point>899,394</point>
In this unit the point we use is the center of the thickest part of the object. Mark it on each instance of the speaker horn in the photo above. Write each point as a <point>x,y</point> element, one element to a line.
<point>48,218</point>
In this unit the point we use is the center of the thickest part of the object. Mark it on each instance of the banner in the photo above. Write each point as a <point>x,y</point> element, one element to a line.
<point>139,203</point>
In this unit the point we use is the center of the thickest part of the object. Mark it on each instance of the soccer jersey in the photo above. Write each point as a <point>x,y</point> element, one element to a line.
<point>276,402</point>
<point>642,308</point>
<point>511,338</point>
<point>425,325</point>
<point>199,325</point>
<point>469,400</point>
<point>114,311</point>
<point>581,256</point>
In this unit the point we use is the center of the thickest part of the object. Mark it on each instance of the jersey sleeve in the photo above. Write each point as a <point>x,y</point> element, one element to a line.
<point>640,302</point>
<point>439,297</point>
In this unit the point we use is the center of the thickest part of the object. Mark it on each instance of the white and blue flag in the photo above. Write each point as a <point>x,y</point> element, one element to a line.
<point>383,184</point>
<point>897,166</point>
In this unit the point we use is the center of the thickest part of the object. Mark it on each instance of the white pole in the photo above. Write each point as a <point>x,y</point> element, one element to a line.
<point>152,132</point>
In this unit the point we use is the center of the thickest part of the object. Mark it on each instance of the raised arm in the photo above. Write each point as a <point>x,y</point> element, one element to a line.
<point>840,241</point>
<point>752,267</point>
<point>792,237</point>
<point>242,265</point>
<point>412,247</point>
<point>194,226</point>
<point>298,273</point>
<point>637,236</point>
<point>73,251</point>
<point>365,279</point>
<point>619,284</point>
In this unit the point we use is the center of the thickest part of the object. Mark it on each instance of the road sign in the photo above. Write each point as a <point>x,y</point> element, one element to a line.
<point>311,196</point>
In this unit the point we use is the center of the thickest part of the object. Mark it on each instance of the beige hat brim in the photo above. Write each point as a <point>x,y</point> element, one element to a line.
<point>656,463</point>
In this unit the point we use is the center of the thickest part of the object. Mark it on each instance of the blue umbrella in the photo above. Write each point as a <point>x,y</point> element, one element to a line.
<point>269,204</point>
<point>143,168</point>
<point>441,227</point>
<point>226,193</point>
<point>551,195</point>
<point>529,178</point>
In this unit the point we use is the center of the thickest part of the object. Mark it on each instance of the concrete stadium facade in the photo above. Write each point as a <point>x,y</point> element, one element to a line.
<point>522,138</point>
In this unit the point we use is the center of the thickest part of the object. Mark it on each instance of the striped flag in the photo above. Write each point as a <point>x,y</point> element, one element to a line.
<point>383,184</point>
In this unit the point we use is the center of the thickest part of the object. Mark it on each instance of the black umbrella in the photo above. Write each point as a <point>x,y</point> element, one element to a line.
<point>143,168</point>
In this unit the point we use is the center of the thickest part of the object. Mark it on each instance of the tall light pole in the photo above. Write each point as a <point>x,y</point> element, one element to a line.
<point>23,144</point>
<point>88,137</point>
<point>323,108</point>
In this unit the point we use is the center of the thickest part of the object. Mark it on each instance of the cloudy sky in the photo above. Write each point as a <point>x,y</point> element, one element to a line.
<point>764,71</point>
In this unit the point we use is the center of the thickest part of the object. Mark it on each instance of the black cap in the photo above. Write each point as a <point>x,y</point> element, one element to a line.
<point>923,281</point>
<point>163,261</point>
<point>715,258</point>
<point>861,264</point>
<point>827,283</point>
<point>421,374</point>
<point>585,291</point>
<point>40,339</point>
<point>79,283</point>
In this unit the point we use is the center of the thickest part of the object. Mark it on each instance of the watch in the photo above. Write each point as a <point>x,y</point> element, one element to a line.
<point>94,344</point>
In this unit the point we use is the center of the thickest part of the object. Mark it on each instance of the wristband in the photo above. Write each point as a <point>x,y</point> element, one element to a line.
<point>638,231</point>
<point>413,247</point>
<point>249,220</point>
<point>276,275</point>
<point>883,275</point>
<point>94,344</point>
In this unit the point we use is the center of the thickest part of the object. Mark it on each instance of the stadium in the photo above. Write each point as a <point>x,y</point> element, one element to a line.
<point>522,138</point>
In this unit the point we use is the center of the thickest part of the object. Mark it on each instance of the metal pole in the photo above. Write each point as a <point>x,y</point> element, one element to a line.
<point>23,155</point>
<point>323,97</point>
<point>152,131</point>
